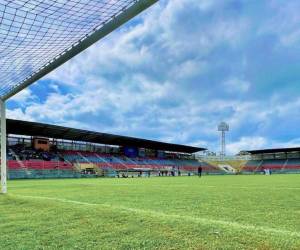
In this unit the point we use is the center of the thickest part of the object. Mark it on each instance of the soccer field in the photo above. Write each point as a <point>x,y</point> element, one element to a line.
<point>214,212</point>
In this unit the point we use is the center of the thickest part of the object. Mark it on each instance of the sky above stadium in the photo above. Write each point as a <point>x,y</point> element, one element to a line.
<point>180,68</point>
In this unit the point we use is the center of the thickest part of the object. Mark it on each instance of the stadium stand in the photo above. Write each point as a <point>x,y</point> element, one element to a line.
<point>37,150</point>
<point>48,151</point>
<point>282,160</point>
<point>153,164</point>
<point>79,163</point>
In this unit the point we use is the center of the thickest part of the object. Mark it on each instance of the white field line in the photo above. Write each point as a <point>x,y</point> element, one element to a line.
<point>256,187</point>
<point>184,185</point>
<point>271,188</point>
<point>204,221</point>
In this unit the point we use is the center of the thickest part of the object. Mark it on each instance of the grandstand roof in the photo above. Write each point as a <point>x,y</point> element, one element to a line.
<point>274,151</point>
<point>38,36</point>
<point>18,127</point>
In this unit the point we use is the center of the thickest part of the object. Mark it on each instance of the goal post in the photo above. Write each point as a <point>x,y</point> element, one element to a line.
<point>3,148</point>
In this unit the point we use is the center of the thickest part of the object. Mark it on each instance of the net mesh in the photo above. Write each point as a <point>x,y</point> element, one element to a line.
<point>35,32</point>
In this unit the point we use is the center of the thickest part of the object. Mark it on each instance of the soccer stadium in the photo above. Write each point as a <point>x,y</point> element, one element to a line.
<point>69,186</point>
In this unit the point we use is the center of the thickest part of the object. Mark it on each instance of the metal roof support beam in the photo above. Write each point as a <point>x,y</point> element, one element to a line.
<point>107,28</point>
<point>3,148</point>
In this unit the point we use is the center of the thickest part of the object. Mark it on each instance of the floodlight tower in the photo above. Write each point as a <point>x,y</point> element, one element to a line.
<point>223,128</point>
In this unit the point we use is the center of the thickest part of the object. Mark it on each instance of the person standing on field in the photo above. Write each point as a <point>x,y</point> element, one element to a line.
<point>200,171</point>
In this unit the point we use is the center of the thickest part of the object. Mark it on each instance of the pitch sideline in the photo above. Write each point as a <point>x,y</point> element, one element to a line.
<point>189,218</point>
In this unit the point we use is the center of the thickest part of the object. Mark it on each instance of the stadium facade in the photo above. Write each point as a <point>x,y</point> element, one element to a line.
<point>37,150</point>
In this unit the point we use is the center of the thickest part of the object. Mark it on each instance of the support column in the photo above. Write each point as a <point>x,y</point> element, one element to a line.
<point>3,147</point>
<point>223,147</point>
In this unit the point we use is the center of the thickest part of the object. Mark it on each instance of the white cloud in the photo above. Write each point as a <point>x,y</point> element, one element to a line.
<point>247,143</point>
<point>23,97</point>
<point>234,85</point>
<point>18,114</point>
<point>283,21</point>
<point>254,143</point>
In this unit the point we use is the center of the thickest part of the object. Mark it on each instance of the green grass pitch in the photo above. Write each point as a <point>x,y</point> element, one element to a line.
<point>214,212</point>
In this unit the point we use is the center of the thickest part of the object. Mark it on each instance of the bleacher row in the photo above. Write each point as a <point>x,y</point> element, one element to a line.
<point>275,165</point>
<point>67,165</point>
<point>39,165</point>
<point>75,156</point>
<point>123,162</point>
<point>39,169</point>
<point>65,168</point>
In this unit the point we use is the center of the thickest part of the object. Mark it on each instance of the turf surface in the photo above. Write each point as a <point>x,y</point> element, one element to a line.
<point>214,212</point>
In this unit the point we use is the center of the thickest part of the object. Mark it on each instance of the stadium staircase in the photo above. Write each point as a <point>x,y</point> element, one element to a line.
<point>227,168</point>
<point>21,164</point>
<point>214,167</point>
<point>132,162</point>
<point>102,159</point>
<point>284,165</point>
<point>120,162</point>
<point>258,167</point>
<point>83,157</point>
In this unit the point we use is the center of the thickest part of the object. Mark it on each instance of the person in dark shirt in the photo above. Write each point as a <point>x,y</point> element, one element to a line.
<point>200,171</point>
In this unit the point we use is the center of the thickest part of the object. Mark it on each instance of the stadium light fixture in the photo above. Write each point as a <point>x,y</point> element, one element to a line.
<point>37,36</point>
<point>223,127</point>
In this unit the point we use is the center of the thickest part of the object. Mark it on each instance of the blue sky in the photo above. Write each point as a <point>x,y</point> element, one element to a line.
<point>179,69</point>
